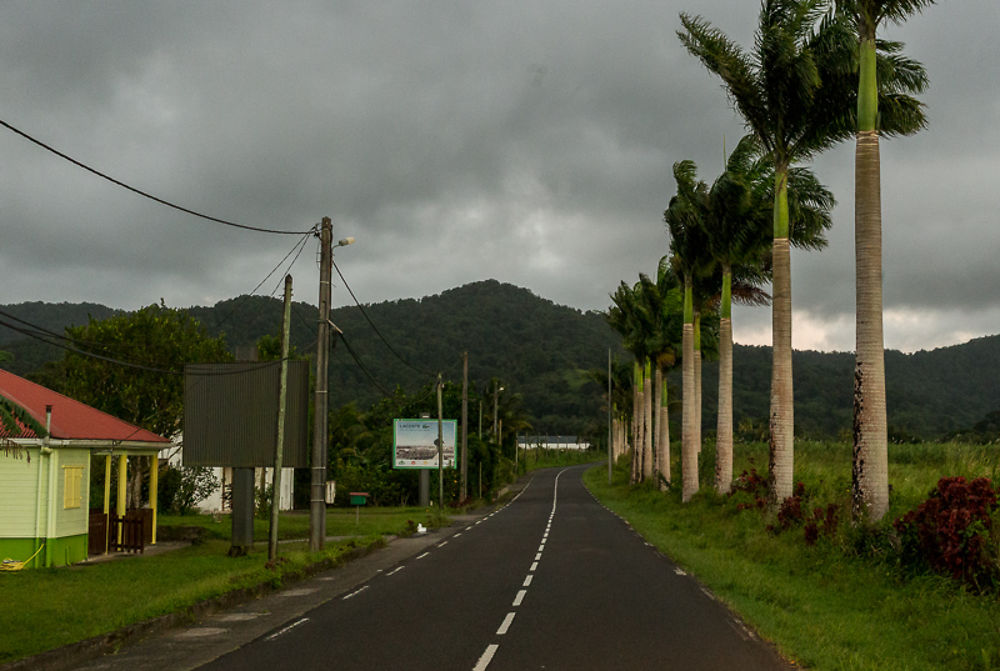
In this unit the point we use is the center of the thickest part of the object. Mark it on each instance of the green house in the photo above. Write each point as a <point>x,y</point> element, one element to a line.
<point>49,447</point>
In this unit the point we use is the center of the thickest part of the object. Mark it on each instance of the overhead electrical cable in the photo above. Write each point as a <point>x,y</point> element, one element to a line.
<point>364,369</point>
<point>142,193</point>
<point>39,335</point>
<point>375,328</point>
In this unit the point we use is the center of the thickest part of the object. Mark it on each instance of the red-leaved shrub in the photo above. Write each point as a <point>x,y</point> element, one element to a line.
<point>951,531</point>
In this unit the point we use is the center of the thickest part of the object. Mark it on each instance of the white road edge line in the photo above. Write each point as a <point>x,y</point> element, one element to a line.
<point>355,593</point>
<point>486,657</point>
<point>395,570</point>
<point>287,629</point>
<point>423,555</point>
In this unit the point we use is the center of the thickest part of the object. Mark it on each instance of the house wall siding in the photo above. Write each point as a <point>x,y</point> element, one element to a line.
<point>72,521</point>
<point>19,494</point>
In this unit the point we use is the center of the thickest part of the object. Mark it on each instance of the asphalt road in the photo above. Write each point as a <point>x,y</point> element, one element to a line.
<point>550,581</point>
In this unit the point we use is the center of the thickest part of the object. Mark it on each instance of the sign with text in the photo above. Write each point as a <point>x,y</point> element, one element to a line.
<point>414,443</point>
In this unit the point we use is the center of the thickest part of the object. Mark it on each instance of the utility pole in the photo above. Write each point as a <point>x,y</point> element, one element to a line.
<point>496,398</point>
<point>609,415</point>
<point>440,443</point>
<point>286,322</point>
<point>317,496</point>
<point>464,487</point>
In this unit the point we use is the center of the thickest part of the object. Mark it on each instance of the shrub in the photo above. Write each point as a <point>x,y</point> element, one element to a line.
<point>823,522</point>
<point>181,488</point>
<point>951,532</point>
<point>754,484</point>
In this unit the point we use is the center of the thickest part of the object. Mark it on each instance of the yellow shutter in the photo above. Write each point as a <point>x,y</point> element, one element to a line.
<point>72,480</point>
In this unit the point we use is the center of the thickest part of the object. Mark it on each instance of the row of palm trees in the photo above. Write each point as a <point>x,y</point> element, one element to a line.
<point>816,75</point>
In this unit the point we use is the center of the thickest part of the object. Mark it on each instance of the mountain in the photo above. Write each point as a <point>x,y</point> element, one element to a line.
<point>542,350</point>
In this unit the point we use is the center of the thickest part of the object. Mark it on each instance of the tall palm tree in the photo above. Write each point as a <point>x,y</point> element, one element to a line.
<point>779,91</point>
<point>625,317</point>
<point>688,258</point>
<point>737,228</point>
<point>737,218</point>
<point>897,114</point>
<point>661,301</point>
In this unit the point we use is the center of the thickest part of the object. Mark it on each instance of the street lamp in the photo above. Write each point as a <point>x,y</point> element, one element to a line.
<point>497,388</point>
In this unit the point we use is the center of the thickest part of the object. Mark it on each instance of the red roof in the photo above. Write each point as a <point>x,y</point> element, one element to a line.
<point>71,419</point>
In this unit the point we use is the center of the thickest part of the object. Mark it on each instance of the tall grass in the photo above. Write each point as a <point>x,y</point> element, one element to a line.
<point>842,603</point>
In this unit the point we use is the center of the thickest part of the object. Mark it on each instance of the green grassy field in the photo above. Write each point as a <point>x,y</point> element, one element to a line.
<point>537,458</point>
<point>41,609</point>
<point>842,603</point>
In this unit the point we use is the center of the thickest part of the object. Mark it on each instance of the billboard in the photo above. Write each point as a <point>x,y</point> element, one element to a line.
<point>414,443</point>
<point>231,414</point>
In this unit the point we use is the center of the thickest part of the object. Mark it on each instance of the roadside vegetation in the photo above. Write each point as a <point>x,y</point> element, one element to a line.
<point>850,597</point>
<point>48,608</point>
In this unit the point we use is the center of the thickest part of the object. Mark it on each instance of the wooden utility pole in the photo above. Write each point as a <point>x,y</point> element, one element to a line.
<point>609,416</point>
<point>272,546</point>
<point>440,443</point>
<point>317,496</point>
<point>464,486</point>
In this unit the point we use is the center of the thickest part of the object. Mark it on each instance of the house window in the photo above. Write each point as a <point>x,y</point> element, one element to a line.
<point>72,481</point>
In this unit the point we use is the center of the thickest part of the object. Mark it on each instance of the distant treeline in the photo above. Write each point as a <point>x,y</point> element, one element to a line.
<point>544,351</point>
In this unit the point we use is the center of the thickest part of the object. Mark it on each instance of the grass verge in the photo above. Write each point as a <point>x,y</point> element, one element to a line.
<point>43,609</point>
<point>535,459</point>
<point>827,606</point>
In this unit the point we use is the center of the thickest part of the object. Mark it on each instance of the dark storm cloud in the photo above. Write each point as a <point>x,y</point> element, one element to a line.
<point>530,142</point>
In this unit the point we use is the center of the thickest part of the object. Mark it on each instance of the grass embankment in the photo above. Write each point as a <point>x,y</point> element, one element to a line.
<point>42,609</point>
<point>843,603</point>
<point>535,459</point>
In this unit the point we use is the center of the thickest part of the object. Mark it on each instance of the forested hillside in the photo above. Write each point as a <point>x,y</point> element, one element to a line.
<point>542,351</point>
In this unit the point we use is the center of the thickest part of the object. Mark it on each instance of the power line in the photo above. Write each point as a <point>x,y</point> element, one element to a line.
<point>364,369</point>
<point>44,336</point>
<point>142,193</point>
<point>300,245</point>
<point>375,328</point>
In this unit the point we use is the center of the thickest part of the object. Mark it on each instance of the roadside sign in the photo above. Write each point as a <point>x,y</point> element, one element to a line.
<point>414,443</point>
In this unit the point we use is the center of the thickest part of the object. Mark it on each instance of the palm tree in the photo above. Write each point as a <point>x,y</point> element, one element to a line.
<point>898,114</point>
<point>661,302</point>
<point>624,317</point>
<point>779,91</point>
<point>737,216</point>
<point>645,315</point>
<point>688,258</point>
<point>738,237</point>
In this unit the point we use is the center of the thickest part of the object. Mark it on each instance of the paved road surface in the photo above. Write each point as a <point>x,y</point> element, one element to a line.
<point>550,581</point>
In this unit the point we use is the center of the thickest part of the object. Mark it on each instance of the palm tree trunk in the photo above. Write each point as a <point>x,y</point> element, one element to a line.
<point>870,474</point>
<point>636,422</point>
<point>724,419</point>
<point>689,448</point>
<point>662,431</point>
<point>782,420</point>
<point>647,437</point>
<point>697,380</point>
<point>657,400</point>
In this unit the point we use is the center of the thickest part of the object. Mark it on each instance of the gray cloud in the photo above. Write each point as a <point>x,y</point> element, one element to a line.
<point>530,142</point>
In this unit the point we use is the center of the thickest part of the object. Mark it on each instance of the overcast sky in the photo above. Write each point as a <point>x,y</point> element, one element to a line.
<point>530,142</point>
